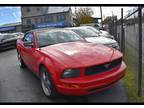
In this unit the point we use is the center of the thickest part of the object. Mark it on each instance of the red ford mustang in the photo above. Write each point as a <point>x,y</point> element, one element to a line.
<point>67,64</point>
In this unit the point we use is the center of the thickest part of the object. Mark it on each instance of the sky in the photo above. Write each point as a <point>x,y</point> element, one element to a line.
<point>9,15</point>
<point>13,14</point>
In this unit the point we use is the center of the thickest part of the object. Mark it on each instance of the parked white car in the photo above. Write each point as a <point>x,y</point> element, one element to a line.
<point>91,36</point>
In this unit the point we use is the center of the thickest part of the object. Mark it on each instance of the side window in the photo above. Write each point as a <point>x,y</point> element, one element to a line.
<point>28,21</point>
<point>29,38</point>
<point>61,17</point>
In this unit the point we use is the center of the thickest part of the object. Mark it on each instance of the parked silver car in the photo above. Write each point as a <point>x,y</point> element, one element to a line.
<point>8,40</point>
<point>100,32</point>
<point>91,36</point>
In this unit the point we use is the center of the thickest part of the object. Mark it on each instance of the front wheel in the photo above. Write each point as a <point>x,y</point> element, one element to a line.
<point>20,61</point>
<point>47,83</point>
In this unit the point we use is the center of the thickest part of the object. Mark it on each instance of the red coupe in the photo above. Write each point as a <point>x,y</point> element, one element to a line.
<point>67,64</point>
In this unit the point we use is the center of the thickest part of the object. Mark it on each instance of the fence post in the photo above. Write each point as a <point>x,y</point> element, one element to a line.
<point>118,38</point>
<point>122,34</point>
<point>140,52</point>
<point>116,28</point>
<point>113,26</point>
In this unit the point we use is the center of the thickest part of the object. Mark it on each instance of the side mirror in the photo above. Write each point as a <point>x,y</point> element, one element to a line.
<point>28,44</point>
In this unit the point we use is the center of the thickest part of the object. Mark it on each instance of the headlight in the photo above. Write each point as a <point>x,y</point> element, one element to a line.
<point>114,45</point>
<point>69,73</point>
<point>110,36</point>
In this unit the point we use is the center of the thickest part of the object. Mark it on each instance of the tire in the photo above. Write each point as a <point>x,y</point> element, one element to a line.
<point>21,62</point>
<point>47,84</point>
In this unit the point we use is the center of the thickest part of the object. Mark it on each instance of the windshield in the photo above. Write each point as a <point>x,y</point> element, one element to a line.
<point>46,38</point>
<point>83,32</point>
<point>94,29</point>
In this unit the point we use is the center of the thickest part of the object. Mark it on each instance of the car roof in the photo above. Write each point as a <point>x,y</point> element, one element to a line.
<point>49,29</point>
<point>78,27</point>
<point>39,29</point>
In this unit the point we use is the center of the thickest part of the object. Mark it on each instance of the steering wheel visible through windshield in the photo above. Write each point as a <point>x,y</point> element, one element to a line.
<point>51,37</point>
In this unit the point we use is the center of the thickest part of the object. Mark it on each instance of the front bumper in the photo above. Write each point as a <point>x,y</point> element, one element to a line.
<point>91,84</point>
<point>7,45</point>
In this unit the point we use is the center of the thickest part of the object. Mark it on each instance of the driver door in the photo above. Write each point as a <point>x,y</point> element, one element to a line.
<point>28,51</point>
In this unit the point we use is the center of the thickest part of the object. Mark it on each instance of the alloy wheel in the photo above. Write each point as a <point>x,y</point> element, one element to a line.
<point>46,83</point>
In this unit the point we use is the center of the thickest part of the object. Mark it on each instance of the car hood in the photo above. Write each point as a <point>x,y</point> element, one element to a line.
<point>107,35</point>
<point>100,40</point>
<point>80,54</point>
<point>104,32</point>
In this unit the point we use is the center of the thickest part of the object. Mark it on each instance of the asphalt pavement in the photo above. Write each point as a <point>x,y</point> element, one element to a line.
<point>21,85</point>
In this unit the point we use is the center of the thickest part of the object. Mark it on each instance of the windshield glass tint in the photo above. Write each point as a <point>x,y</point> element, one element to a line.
<point>94,29</point>
<point>46,38</point>
<point>85,32</point>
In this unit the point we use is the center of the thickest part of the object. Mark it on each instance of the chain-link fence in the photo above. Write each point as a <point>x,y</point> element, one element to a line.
<point>127,32</point>
<point>130,26</point>
<point>143,51</point>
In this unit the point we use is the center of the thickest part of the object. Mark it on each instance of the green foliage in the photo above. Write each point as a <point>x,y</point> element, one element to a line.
<point>84,16</point>
<point>107,20</point>
<point>130,78</point>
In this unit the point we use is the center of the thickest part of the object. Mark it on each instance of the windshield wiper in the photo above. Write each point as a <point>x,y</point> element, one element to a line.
<point>90,36</point>
<point>45,45</point>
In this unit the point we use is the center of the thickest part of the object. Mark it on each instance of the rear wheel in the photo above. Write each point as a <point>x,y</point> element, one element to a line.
<point>47,83</point>
<point>20,61</point>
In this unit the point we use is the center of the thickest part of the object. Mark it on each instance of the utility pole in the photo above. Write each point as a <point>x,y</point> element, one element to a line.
<point>75,9</point>
<point>101,16</point>
<point>113,24</point>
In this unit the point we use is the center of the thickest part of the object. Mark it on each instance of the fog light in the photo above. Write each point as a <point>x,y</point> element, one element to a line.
<point>75,86</point>
<point>71,85</point>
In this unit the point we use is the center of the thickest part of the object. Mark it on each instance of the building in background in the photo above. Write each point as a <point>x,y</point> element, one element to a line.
<point>43,16</point>
<point>11,28</point>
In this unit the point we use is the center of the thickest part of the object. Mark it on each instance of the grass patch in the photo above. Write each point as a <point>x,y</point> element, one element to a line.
<point>130,78</point>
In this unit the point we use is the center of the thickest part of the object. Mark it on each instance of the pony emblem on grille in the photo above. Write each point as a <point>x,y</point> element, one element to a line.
<point>107,65</point>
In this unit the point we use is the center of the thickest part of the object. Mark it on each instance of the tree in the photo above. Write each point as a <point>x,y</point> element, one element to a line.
<point>107,20</point>
<point>84,16</point>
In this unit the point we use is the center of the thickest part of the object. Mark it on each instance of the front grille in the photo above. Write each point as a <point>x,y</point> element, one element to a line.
<point>103,67</point>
